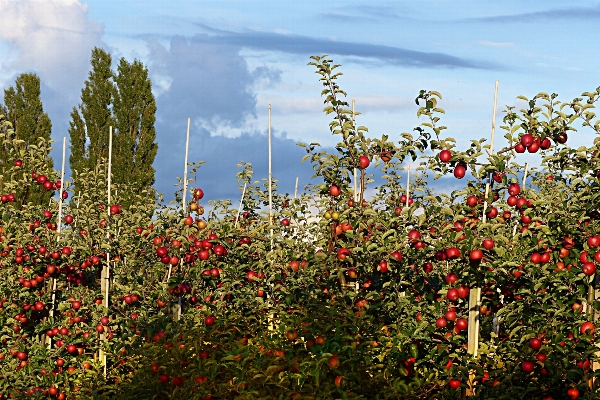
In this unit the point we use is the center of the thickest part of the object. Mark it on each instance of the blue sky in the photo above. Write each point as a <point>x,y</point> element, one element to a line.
<point>222,62</point>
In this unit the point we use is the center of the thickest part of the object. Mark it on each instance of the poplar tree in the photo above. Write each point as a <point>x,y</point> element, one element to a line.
<point>122,99</point>
<point>24,110</point>
<point>91,120</point>
<point>134,116</point>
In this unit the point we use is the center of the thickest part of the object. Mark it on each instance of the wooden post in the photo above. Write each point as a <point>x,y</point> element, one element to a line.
<point>407,185</point>
<point>105,276</point>
<point>237,219</point>
<point>522,188</point>
<point>475,293</point>
<point>270,180</point>
<point>58,228</point>
<point>185,166</point>
<point>296,189</point>
<point>270,172</point>
<point>355,171</point>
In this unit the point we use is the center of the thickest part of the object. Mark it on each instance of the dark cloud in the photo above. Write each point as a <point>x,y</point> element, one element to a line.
<point>210,83</point>
<point>348,18</point>
<point>583,13</point>
<point>208,80</point>
<point>303,45</point>
<point>217,176</point>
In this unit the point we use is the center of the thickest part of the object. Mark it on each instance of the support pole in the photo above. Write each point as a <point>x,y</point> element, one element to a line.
<point>522,188</point>
<point>475,293</point>
<point>237,219</point>
<point>185,166</point>
<point>296,189</point>
<point>270,180</point>
<point>270,173</point>
<point>355,171</point>
<point>407,186</point>
<point>105,279</point>
<point>58,228</point>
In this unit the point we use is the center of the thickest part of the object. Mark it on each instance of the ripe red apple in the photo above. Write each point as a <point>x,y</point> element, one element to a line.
<point>461,324</point>
<point>476,255</point>
<point>453,253</point>
<point>441,323</point>
<point>545,144</point>
<point>445,156</point>
<point>472,201</point>
<point>451,315</point>
<point>210,320</point>
<point>452,294</point>
<point>527,366</point>
<point>454,383</point>
<point>414,235</point>
<point>587,328</point>
<point>451,278</point>
<point>573,393</point>
<point>514,189</point>
<point>562,138</point>
<point>335,190</point>
<point>198,193</point>
<point>593,241</point>
<point>460,171</point>
<point>343,253</point>
<point>363,162</point>
<point>519,148</point>
<point>383,267</point>
<point>541,357</point>
<point>588,268</point>
<point>463,291</point>
<point>535,343</point>
<point>488,244</point>
<point>527,139</point>
<point>396,255</point>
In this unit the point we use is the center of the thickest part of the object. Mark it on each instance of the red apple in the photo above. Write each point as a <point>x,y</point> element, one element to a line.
<point>445,156</point>
<point>363,161</point>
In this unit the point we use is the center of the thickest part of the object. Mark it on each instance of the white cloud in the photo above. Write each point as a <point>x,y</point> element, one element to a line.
<point>54,38</point>
<point>495,44</point>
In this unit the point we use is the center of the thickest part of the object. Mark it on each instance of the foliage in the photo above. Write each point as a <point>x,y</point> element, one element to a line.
<point>24,110</point>
<point>123,100</point>
<point>336,297</point>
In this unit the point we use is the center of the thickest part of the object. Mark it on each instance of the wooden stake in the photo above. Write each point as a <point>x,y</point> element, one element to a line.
<point>62,185</point>
<point>522,188</point>
<point>474,303</point>
<point>58,228</point>
<point>296,189</point>
<point>270,180</point>
<point>106,268</point>
<point>475,293</point>
<point>185,166</point>
<point>487,186</point>
<point>270,172</point>
<point>110,135</point>
<point>237,219</point>
<point>407,185</point>
<point>355,170</point>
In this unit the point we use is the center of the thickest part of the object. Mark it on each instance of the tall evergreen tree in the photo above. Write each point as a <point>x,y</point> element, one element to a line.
<point>23,108</point>
<point>123,100</point>
<point>91,120</point>
<point>134,109</point>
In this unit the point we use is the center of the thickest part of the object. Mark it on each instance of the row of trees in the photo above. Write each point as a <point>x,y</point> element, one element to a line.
<point>122,99</point>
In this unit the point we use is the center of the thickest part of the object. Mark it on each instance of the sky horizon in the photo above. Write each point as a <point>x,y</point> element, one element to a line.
<point>221,64</point>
